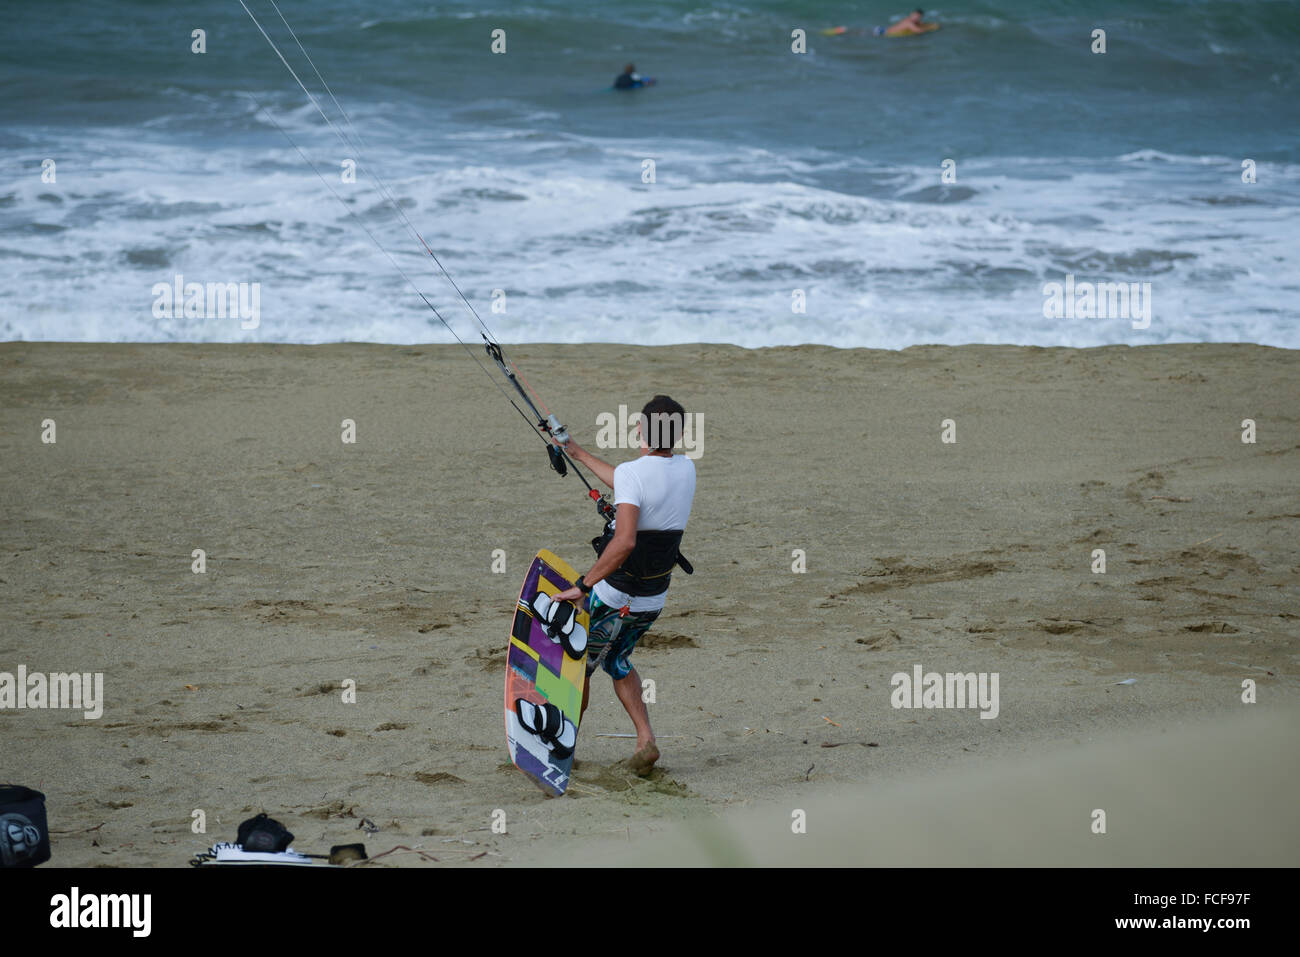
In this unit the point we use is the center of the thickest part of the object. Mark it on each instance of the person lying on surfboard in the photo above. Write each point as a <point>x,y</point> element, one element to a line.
<point>910,25</point>
<point>627,586</point>
<point>629,79</point>
<point>914,22</point>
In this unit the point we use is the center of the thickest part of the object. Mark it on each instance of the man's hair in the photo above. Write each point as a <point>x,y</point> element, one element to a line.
<point>630,68</point>
<point>662,420</point>
<point>918,11</point>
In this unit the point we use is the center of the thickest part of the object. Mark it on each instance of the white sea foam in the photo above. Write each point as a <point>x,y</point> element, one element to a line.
<point>587,252</point>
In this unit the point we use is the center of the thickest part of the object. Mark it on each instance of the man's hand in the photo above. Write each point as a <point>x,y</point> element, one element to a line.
<point>601,469</point>
<point>569,594</point>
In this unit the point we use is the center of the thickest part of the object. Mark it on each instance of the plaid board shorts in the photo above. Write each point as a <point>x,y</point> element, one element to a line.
<point>614,637</point>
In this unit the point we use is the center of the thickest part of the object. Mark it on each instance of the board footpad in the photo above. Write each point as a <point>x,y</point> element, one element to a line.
<point>550,725</point>
<point>560,622</point>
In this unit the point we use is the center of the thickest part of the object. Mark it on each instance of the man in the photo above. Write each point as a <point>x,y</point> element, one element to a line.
<point>627,586</point>
<point>912,23</point>
<point>629,79</point>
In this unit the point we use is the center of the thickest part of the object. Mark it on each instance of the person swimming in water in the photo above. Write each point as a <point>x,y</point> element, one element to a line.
<point>914,22</point>
<point>629,79</point>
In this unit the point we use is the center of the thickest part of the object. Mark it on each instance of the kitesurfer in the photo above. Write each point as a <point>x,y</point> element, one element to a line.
<point>627,586</point>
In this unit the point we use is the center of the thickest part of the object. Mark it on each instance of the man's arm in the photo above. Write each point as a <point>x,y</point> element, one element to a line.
<point>619,547</point>
<point>600,468</point>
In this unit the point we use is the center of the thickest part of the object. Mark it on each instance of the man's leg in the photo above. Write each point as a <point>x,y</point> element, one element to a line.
<point>628,690</point>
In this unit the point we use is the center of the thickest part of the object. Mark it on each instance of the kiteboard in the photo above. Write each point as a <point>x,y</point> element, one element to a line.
<point>546,668</point>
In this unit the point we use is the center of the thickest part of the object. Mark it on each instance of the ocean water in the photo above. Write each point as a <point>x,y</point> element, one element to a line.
<point>774,172</point>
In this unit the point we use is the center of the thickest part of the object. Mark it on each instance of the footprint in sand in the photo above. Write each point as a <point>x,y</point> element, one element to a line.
<point>437,777</point>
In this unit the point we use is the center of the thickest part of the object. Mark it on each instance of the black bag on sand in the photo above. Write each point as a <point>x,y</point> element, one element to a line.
<point>24,832</point>
<point>262,833</point>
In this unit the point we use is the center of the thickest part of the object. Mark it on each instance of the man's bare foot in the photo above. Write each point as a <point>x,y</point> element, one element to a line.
<point>644,760</point>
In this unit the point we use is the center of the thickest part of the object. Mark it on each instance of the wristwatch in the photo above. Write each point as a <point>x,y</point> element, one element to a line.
<point>582,586</point>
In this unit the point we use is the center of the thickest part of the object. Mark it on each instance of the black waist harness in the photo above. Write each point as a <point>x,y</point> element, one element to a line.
<point>649,569</point>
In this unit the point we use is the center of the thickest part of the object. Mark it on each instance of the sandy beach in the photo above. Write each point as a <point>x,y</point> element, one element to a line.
<point>372,561</point>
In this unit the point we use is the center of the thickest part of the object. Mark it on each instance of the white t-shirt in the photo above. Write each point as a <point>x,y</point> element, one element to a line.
<point>663,489</point>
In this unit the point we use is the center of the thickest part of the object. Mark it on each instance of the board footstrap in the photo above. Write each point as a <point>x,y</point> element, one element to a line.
<point>560,622</point>
<point>550,725</point>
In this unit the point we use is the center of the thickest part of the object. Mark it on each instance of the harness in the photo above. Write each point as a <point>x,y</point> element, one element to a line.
<point>648,569</point>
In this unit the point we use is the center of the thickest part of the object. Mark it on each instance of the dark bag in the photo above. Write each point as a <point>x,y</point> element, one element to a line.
<point>24,831</point>
<point>262,833</point>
